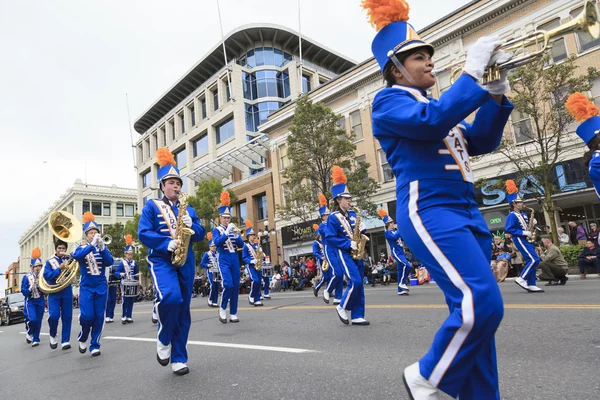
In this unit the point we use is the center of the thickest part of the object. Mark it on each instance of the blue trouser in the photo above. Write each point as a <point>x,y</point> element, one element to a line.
<point>353,298</point>
<point>127,307</point>
<point>213,295</point>
<point>92,305</point>
<point>403,268</point>
<point>336,283</point>
<point>230,275</point>
<point>256,277</point>
<point>174,293</point>
<point>35,314</point>
<point>447,232</point>
<point>325,278</point>
<point>111,302</point>
<point>266,281</point>
<point>530,259</point>
<point>60,305</point>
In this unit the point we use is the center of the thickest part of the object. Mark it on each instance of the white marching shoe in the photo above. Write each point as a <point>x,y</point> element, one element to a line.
<point>180,368</point>
<point>343,314</point>
<point>336,302</point>
<point>522,282</point>
<point>163,353</point>
<point>535,289</point>
<point>404,287</point>
<point>82,347</point>
<point>53,343</point>
<point>222,315</point>
<point>95,352</point>
<point>326,296</point>
<point>403,293</point>
<point>419,388</point>
<point>233,318</point>
<point>66,346</point>
<point>266,296</point>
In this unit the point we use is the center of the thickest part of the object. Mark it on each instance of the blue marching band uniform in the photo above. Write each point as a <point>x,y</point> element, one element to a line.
<point>93,258</point>
<point>210,260</point>
<point>318,250</point>
<point>339,237</point>
<point>60,305</point>
<point>34,300</point>
<point>127,270</point>
<point>249,257</point>
<point>427,143</point>
<point>111,300</point>
<point>173,284</point>
<point>392,235</point>
<point>227,242</point>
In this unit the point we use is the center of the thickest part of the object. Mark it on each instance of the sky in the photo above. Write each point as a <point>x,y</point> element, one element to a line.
<point>66,67</point>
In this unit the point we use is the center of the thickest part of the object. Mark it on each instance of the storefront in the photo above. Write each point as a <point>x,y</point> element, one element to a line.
<point>297,240</point>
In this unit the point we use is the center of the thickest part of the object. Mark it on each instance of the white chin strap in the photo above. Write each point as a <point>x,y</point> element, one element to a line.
<point>401,68</point>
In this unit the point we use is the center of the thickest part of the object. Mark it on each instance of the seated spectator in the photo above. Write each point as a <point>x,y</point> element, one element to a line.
<point>588,257</point>
<point>563,238</point>
<point>593,235</point>
<point>275,284</point>
<point>554,266</point>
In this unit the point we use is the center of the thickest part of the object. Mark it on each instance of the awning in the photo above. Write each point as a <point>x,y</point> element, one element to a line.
<point>250,155</point>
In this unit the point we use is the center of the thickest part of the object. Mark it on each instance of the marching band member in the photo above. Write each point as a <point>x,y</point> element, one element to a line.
<point>93,258</point>
<point>318,253</point>
<point>427,144</point>
<point>60,305</point>
<point>395,241</point>
<point>340,244</point>
<point>111,301</point>
<point>34,299</point>
<point>336,277</point>
<point>128,270</point>
<point>227,242</point>
<point>249,257</point>
<point>586,112</point>
<point>209,260</point>
<point>517,223</point>
<point>157,231</point>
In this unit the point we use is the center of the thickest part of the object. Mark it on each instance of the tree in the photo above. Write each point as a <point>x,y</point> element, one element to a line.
<point>539,91</point>
<point>117,245</point>
<point>315,145</point>
<point>131,228</point>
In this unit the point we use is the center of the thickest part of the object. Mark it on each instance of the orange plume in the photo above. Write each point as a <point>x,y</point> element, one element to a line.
<point>255,240</point>
<point>381,13</point>
<point>36,253</point>
<point>338,175</point>
<point>315,227</point>
<point>225,199</point>
<point>322,200</point>
<point>87,217</point>
<point>128,240</point>
<point>580,107</point>
<point>164,157</point>
<point>382,213</point>
<point>511,187</point>
<point>209,236</point>
<point>248,224</point>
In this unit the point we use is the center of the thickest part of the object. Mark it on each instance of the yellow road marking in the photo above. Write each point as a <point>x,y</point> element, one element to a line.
<point>410,307</point>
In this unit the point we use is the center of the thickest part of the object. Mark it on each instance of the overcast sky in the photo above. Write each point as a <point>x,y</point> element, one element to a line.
<point>65,67</point>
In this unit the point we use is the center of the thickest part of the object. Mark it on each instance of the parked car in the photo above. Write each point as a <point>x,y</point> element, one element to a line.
<point>11,309</point>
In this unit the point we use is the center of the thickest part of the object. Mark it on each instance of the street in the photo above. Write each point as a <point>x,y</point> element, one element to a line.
<point>548,348</point>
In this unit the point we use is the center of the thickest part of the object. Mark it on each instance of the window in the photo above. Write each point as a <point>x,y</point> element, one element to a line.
<point>266,83</point>
<point>163,136</point>
<point>342,125</point>
<point>129,210</point>
<point>203,106</point>
<point>249,83</point>
<point>192,114</point>
<point>521,125</point>
<point>284,160</point>
<point>201,145</point>
<point>261,204</point>
<point>96,208</point>
<point>181,123</point>
<point>225,130</point>
<point>252,118</point>
<point>358,162</point>
<point>305,83</point>
<point>215,99</point>
<point>388,175</point>
<point>120,207</point>
<point>243,212</point>
<point>559,50</point>
<point>145,200</point>
<point>284,192</point>
<point>146,179</point>
<point>172,128</point>
<point>86,206</point>
<point>356,125</point>
<point>264,56</point>
<point>106,209</point>
<point>584,39</point>
<point>443,81</point>
<point>596,91</point>
<point>227,91</point>
<point>181,158</point>
<point>184,186</point>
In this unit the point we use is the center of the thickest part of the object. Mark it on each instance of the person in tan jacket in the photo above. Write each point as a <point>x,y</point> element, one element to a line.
<point>553,265</point>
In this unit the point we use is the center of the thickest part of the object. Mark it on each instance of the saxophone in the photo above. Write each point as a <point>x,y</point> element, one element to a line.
<point>183,234</point>
<point>324,263</point>
<point>360,239</point>
<point>260,256</point>
<point>530,226</point>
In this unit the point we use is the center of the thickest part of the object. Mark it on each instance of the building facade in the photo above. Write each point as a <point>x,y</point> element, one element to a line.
<point>351,95</point>
<point>109,204</point>
<point>209,118</point>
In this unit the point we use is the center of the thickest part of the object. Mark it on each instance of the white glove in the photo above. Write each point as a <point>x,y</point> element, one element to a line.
<point>101,245</point>
<point>527,233</point>
<point>253,261</point>
<point>478,57</point>
<point>173,244</point>
<point>500,86</point>
<point>187,220</point>
<point>229,227</point>
<point>96,239</point>
<point>353,245</point>
<point>535,221</point>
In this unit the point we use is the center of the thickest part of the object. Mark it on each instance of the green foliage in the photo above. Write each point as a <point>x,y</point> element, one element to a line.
<point>570,253</point>
<point>317,143</point>
<point>117,246</point>
<point>131,228</point>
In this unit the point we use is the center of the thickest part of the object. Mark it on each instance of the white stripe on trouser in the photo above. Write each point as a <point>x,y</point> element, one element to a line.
<point>526,271</point>
<point>348,275</point>
<point>160,324</point>
<point>400,278</point>
<point>467,306</point>
<point>332,271</point>
<point>223,286</point>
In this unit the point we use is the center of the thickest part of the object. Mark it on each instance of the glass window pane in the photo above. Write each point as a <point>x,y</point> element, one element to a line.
<point>201,146</point>
<point>181,159</point>
<point>86,206</point>
<point>272,87</point>
<point>287,58</point>
<point>225,130</point>
<point>120,210</point>
<point>243,212</point>
<point>586,41</point>
<point>268,53</point>
<point>96,208</point>
<point>305,83</point>
<point>559,50</point>
<point>278,58</point>
<point>259,56</point>
<point>261,203</point>
<point>261,86</point>
<point>129,210</point>
<point>251,60</point>
<point>356,125</point>
<point>106,209</point>
<point>203,103</point>
<point>388,175</point>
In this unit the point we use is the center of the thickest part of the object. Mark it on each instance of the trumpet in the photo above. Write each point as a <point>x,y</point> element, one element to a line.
<point>586,21</point>
<point>106,239</point>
